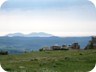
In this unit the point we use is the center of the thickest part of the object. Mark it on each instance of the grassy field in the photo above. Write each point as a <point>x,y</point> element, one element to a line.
<point>50,61</point>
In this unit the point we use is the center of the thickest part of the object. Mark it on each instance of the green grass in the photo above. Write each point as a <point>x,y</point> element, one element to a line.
<point>50,61</point>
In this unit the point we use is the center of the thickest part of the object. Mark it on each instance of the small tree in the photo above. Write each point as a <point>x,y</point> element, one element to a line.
<point>44,48</point>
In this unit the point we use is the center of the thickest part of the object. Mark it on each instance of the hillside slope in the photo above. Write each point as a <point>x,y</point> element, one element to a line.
<point>20,44</point>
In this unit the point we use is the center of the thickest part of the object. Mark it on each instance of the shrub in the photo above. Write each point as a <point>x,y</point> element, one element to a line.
<point>7,69</point>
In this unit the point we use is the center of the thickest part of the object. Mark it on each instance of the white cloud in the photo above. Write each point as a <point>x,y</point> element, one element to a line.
<point>51,21</point>
<point>63,21</point>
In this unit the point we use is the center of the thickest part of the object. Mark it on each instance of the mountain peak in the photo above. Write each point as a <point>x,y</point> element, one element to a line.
<point>39,34</point>
<point>15,35</point>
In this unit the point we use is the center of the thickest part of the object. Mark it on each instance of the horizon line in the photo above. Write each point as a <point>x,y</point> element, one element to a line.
<point>58,35</point>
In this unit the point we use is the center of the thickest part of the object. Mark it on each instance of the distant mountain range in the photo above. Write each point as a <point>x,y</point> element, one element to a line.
<point>18,43</point>
<point>34,34</point>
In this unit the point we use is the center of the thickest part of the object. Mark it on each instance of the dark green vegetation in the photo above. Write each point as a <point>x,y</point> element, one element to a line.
<point>3,53</point>
<point>21,44</point>
<point>50,61</point>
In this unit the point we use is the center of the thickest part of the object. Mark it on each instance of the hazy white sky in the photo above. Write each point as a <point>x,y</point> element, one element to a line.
<point>68,20</point>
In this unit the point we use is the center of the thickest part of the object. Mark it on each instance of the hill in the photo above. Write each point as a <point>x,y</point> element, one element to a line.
<point>15,35</point>
<point>21,44</point>
<point>34,34</point>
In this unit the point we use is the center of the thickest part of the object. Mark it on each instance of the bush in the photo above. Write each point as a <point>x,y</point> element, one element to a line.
<point>7,69</point>
<point>41,49</point>
<point>67,58</point>
<point>3,52</point>
<point>80,54</point>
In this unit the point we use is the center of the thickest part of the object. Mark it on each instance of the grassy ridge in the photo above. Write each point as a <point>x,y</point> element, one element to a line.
<point>50,61</point>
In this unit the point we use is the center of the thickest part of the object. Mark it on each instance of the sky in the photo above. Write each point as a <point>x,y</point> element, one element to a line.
<point>57,17</point>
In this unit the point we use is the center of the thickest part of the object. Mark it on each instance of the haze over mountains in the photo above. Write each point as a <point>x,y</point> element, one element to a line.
<point>51,16</point>
<point>34,34</point>
<point>18,42</point>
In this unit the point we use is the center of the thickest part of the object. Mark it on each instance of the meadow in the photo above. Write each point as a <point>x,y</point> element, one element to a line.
<point>50,61</point>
